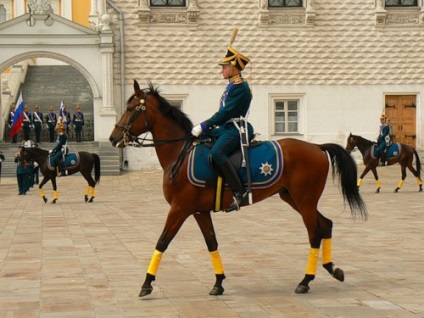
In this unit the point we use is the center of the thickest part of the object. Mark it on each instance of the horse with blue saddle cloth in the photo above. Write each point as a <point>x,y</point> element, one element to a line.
<point>395,153</point>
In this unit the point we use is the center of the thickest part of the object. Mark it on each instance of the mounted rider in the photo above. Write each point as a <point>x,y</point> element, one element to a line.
<point>383,140</point>
<point>60,150</point>
<point>234,104</point>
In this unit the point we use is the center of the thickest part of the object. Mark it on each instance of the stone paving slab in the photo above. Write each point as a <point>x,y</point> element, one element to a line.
<point>74,259</point>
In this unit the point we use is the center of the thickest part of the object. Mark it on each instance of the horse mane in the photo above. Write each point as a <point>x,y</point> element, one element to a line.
<point>37,151</point>
<point>362,139</point>
<point>170,111</point>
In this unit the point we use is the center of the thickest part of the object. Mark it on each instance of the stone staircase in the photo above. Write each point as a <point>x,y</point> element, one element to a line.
<point>110,157</point>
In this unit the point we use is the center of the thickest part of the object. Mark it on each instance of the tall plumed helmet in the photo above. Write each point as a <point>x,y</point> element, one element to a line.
<point>383,116</point>
<point>233,56</point>
<point>60,126</point>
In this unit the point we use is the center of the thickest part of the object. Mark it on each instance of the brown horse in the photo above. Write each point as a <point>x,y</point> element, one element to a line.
<point>87,161</point>
<point>301,184</point>
<point>405,158</point>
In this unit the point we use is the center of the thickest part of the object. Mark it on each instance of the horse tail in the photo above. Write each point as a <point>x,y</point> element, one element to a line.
<point>418,164</point>
<point>343,164</point>
<point>96,167</point>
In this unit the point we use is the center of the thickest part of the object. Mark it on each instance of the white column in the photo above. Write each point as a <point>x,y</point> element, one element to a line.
<point>19,8</point>
<point>107,109</point>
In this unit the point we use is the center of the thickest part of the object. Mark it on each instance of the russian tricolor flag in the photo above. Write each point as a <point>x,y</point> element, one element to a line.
<point>18,118</point>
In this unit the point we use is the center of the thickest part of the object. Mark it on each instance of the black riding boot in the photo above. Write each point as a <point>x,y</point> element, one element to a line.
<point>60,164</point>
<point>382,159</point>
<point>233,180</point>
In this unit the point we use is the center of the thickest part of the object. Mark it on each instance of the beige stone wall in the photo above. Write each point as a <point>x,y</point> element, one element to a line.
<point>342,46</point>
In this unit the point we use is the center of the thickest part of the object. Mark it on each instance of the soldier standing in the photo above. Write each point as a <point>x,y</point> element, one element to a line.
<point>10,121</point>
<point>27,123</point>
<point>51,120</point>
<point>78,121</point>
<point>38,120</point>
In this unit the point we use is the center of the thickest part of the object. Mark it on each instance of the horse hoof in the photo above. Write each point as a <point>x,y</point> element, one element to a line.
<point>216,291</point>
<point>339,274</point>
<point>91,200</point>
<point>54,201</point>
<point>396,190</point>
<point>86,198</point>
<point>145,291</point>
<point>378,190</point>
<point>420,190</point>
<point>301,289</point>
<point>45,199</point>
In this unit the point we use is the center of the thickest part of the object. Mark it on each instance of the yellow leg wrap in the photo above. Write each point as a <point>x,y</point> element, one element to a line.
<point>378,183</point>
<point>154,263</point>
<point>419,181</point>
<point>216,262</point>
<point>87,190</point>
<point>400,184</point>
<point>359,182</point>
<point>55,195</point>
<point>93,192</point>
<point>42,193</point>
<point>326,251</point>
<point>311,268</point>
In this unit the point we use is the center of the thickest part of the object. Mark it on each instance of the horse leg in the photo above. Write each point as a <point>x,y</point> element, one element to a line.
<point>86,193</point>
<point>90,187</point>
<point>40,189</point>
<point>311,224</point>
<point>55,193</point>
<point>377,182</point>
<point>417,177</point>
<point>204,221</point>
<point>325,228</point>
<point>173,223</point>
<point>403,171</point>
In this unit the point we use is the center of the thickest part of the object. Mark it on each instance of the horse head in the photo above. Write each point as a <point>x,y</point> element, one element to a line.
<point>147,111</point>
<point>352,143</point>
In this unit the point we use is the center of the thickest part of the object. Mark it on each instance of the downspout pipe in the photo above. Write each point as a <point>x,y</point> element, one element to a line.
<point>122,62</point>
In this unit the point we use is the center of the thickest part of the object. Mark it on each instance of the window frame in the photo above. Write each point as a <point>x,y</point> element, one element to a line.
<point>402,6</point>
<point>302,4</point>
<point>184,5</point>
<point>273,99</point>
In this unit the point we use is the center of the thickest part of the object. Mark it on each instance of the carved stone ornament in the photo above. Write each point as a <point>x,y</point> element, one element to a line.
<point>5,85</point>
<point>40,6</point>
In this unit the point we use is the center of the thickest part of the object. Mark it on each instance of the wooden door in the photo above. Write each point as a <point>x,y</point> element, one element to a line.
<point>401,110</point>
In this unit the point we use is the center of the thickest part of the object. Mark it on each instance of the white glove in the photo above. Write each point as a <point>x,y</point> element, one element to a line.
<point>50,151</point>
<point>196,131</point>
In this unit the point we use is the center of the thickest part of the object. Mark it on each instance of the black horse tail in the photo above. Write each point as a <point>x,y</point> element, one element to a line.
<point>343,163</point>
<point>96,167</point>
<point>418,164</point>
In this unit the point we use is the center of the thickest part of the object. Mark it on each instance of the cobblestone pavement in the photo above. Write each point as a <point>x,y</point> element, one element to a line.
<point>74,259</point>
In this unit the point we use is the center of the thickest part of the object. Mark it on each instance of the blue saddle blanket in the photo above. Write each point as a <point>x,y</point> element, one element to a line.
<point>71,160</point>
<point>393,151</point>
<point>266,165</point>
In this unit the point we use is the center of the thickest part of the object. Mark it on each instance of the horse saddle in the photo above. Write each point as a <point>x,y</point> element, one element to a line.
<point>71,160</point>
<point>393,151</point>
<point>266,165</point>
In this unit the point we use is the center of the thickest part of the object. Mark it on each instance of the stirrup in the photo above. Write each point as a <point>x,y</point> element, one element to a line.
<point>239,199</point>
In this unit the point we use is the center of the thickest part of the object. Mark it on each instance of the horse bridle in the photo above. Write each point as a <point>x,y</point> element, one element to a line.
<point>128,135</point>
<point>132,139</point>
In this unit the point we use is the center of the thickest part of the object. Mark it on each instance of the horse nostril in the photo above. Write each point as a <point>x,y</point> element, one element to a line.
<point>110,138</point>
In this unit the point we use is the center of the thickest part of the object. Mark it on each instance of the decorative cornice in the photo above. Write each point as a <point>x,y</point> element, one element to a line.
<point>286,16</point>
<point>150,16</point>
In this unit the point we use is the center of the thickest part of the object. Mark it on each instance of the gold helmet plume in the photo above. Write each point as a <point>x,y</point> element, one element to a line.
<point>233,56</point>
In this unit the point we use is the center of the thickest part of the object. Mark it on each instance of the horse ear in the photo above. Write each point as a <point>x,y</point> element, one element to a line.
<point>136,87</point>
